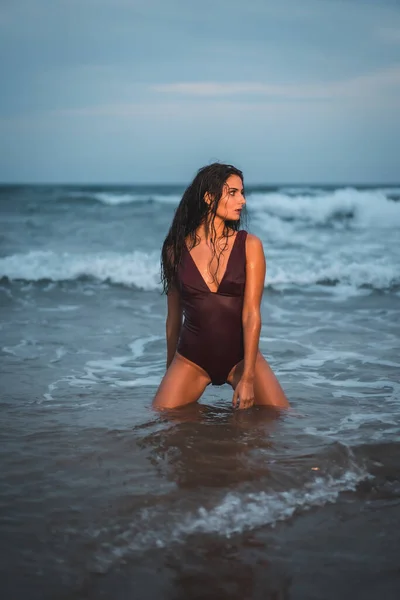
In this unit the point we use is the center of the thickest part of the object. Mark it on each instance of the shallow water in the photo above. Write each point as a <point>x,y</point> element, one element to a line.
<point>98,493</point>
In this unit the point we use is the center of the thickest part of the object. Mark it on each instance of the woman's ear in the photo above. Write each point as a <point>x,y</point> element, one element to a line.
<point>207,198</point>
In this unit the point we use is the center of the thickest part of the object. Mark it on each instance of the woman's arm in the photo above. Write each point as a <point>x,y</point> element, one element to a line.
<point>173,323</point>
<point>251,318</point>
<point>251,315</point>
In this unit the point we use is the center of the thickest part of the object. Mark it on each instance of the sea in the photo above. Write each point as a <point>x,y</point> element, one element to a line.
<point>103,498</point>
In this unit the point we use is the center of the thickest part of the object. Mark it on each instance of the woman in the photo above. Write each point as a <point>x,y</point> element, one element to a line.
<point>213,273</point>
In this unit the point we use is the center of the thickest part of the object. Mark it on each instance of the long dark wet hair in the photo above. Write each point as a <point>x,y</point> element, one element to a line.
<point>190,213</point>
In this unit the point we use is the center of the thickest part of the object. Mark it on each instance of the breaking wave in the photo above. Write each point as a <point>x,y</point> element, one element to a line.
<point>142,270</point>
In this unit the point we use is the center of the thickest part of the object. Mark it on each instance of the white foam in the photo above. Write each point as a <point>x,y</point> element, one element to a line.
<point>374,273</point>
<point>138,346</point>
<point>26,349</point>
<point>137,268</point>
<point>152,380</point>
<point>235,514</point>
<point>60,352</point>
<point>117,198</point>
<point>112,369</point>
<point>302,190</point>
<point>354,421</point>
<point>365,208</point>
<point>238,513</point>
<point>60,308</point>
<point>142,269</point>
<point>51,387</point>
<point>317,357</point>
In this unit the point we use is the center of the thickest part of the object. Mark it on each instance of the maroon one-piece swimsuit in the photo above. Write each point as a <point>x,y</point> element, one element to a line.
<point>212,332</point>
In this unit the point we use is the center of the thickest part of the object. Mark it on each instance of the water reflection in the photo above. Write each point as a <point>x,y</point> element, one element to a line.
<point>209,451</point>
<point>203,445</point>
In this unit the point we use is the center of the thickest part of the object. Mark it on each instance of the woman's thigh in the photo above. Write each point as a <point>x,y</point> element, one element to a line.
<point>183,383</point>
<point>267,389</point>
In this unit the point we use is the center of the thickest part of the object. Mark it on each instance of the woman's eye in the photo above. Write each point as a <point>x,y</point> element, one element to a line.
<point>232,193</point>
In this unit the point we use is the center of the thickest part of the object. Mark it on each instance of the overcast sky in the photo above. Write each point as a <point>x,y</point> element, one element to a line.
<point>131,91</point>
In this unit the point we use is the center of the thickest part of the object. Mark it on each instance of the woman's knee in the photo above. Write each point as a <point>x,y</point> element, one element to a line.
<point>161,403</point>
<point>268,390</point>
<point>181,385</point>
<point>168,399</point>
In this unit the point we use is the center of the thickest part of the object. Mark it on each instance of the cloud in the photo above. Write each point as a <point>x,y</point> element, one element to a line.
<point>126,81</point>
<point>353,87</point>
<point>196,99</point>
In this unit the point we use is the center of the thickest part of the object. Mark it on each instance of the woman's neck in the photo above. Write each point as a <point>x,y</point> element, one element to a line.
<point>214,232</point>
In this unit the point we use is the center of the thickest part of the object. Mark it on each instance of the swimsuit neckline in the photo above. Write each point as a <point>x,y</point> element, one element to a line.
<point>226,269</point>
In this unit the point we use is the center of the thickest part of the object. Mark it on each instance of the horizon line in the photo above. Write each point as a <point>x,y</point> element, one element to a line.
<point>184,185</point>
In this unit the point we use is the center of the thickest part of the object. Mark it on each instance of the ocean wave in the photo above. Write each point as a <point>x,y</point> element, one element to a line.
<point>371,274</point>
<point>235,513</point>
<point>240,512</point>
<point>138,269</point>
<point>119,198</point>
<point>360,208</point>
<point>142,270</point>
<point>374,208</point>
<point>380,425</point>
<point>301,190</point>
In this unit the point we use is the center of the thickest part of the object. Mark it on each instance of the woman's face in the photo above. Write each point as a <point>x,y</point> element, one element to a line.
<point>232,199</point>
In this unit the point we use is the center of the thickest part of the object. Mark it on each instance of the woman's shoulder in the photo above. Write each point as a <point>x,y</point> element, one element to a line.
<point>254,246</point>
<point>252,241</point>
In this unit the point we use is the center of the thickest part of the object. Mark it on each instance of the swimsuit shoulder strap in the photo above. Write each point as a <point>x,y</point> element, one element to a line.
<point>242,235</point>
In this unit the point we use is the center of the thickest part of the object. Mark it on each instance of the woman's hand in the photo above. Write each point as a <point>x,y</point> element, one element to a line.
<point>243,394</point>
